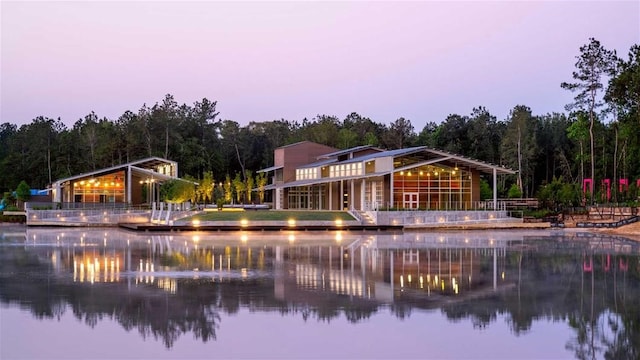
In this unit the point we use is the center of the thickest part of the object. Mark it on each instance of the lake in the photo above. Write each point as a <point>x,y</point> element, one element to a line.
<point>94,293</point>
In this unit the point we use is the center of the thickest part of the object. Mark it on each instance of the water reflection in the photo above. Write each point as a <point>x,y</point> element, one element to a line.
<point>166,286</point>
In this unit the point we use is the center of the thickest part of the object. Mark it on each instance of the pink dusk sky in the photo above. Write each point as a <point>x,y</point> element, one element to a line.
<point>262,61</point>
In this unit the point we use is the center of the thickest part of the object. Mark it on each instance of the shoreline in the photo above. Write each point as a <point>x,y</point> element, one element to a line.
<point>631,231</point>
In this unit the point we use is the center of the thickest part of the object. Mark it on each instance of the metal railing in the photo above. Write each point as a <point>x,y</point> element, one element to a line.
<point>86,216</point>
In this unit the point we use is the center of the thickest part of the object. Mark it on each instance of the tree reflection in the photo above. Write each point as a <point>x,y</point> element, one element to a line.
<point>596,293</point>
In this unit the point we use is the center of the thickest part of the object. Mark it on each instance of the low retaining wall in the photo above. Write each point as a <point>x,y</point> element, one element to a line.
<point>438,217</point>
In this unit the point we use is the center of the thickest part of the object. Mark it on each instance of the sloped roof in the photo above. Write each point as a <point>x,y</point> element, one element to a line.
<point>271,168</point>
<point>385,153</point>
<point>347,151</point>
<point>142,165</point>
<point>473,163</point>
<point>318,163</point>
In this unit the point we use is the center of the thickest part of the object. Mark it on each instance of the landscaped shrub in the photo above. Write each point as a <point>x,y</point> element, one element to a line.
<point>538,214</point>
<point>20,219</point>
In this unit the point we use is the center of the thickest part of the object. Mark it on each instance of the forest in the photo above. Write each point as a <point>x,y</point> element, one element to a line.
<point>598,137</point>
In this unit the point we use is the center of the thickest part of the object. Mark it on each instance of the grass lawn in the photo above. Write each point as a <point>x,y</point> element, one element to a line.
<point>272,215</point>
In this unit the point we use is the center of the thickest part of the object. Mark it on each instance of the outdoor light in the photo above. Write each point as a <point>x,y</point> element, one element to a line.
<point>244,222</point>
<point>338,237</point>
<point>244,238</point>
<point>195,222</point>
<point>292,238</point>
<point>291,222</point>
<point>338,222</point>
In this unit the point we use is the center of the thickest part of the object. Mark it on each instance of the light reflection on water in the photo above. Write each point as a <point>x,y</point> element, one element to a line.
<point>468,294</point>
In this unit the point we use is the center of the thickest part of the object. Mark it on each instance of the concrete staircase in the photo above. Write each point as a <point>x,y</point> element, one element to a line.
<point>365,219</point>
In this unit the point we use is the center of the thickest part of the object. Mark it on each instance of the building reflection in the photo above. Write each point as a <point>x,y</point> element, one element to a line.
<point>423,268</point>
<point>165,282</point>
<point>426,269</point>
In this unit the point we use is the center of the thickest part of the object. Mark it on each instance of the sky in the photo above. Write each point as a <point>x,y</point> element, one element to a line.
<point>264,61</point>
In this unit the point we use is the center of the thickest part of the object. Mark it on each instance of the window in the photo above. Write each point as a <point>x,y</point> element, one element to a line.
<point>342,170</point>
<point>306,174</point>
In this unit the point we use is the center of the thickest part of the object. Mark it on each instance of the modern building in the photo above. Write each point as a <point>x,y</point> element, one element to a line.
<point>307,175</point>
<point>133,183</point>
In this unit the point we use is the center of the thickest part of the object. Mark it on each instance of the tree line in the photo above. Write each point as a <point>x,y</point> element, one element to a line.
<point>598,137</point>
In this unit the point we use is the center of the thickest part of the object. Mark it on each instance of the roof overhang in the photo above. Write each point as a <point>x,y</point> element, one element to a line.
<point>429,162</point>
<point>272,168</point>
<point>140,165</point>
<point>150,174</point>
<point>474,164</point>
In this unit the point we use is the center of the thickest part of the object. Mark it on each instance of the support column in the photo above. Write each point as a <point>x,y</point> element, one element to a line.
<point>341,195</point>
<point>330,196</point>
<point>391,189</point>
<point>57,192</point>
<point>363,187</point>
<point>352,196</point>
<point>495,190</point>
<point>129,184</point>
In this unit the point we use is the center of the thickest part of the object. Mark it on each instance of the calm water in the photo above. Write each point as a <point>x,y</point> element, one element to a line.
<point>96,293</point>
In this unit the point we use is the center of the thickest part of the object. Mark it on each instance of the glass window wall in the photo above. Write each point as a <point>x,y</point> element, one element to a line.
<point>432,188</point>
<point>100,189</point>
